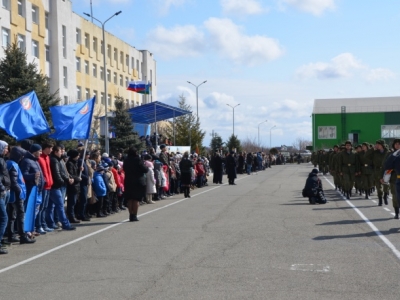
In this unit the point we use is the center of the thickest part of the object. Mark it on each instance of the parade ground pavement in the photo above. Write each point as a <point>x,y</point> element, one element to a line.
<point>259,239</point>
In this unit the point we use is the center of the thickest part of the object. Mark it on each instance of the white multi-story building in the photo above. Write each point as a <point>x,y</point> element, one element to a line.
<point>68,49</point>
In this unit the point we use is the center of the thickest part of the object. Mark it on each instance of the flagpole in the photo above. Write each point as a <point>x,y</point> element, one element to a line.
<point>83,158</point>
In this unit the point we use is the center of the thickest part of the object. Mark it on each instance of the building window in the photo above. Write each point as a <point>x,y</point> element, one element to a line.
<point>46,20</point>
<point>65,75</point>
<point>126,81</point>
<point>121,80</point>
<point>5,37</point>
<point>116,54</point>
<point>78,36</point>
<point>65,100</point>
<point>138,67</point>
<point>6,4</point>
<point>326,132</point>
<point>390,131</point>
<point>64,41</point>
<point>132,62</point>
<point>95,93</point>
<point>21,4</point>
<point>109,100</point>
<point>102,98</point>
<point>121,58</point>
<point>86,67</point>
<point>94,68</point>
<point>47,48</point>
<point>78,64</point>
<point>21,42</point>
<point>35,48</point>
<point>108,75</point>
<point>137,103</point>
<point>101,46</point>
<point>87,39</point>
<point>78,93</point>
<point>101,73</point>
<point>115,78</point>
<point>109,51</point>
<point>127,61</point>
<point>35,14</point>
<point>95,45</point>
<point>87,94</point>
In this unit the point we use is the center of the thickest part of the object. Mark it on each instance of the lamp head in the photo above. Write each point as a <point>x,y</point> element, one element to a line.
<point>117,13</point>
<point>86,14</point>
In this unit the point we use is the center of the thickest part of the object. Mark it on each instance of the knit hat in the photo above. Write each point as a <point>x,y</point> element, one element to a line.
<point>315,171</point>
<point>380,142</point>
<point>105,154</point>
<point>99,168</point>
<point>336,146</point>
<point>34,148</point>
<point>162,146</point>
<point>3,146</point>
<point>73,153</point>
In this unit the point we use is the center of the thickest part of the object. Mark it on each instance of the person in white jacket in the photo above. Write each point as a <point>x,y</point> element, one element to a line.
<point>151,181</point>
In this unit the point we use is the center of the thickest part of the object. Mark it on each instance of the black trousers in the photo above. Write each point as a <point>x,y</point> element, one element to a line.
<point>15,212</point>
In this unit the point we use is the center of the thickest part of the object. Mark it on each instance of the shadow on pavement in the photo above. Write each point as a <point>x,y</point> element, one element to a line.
<point>356,235</point>
<point>345,222</point>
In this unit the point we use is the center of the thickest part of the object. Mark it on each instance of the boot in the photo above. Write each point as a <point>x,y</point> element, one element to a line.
<point>335,187</point>
<point>396,210</point>
<point>380,201</point>
<point>348,195</point>
<point>149,201</point>
<point>133,218</point>
<point>385,198</point>
<point>188,192</point>
<point>367,195</point>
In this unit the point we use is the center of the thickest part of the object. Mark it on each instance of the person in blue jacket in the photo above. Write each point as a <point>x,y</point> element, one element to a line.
<point>100,189</point>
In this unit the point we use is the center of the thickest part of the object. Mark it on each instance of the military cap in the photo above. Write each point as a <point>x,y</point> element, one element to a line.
<point>358,146</point>
<point>336,146</point>
<point>348,142</point>
<point>365,144</point>
<point>380,142</point>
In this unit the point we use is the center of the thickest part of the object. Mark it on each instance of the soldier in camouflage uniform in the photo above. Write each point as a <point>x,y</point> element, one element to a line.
<point>314,159</point>
<point>377,156</point>
<point>323,162</point>
<point>348,168</point>
<point>366,170</point>
<point>358,178</point>
<point>332,166</point>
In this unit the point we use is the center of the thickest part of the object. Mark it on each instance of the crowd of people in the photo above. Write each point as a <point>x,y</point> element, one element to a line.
<point>367,168</point>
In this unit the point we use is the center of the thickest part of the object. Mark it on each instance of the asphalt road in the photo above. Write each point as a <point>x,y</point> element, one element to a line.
<point>257,240</point>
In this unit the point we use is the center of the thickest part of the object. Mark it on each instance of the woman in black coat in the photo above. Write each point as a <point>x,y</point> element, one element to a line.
<point>135,182</point>
<point>217,168</point>
<point>231,168</point>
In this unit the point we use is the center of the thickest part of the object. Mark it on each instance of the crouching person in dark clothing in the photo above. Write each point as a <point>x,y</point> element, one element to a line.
<point>313,189</point>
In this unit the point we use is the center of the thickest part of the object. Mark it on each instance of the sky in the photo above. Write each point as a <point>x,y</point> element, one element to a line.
<point>272,57</point>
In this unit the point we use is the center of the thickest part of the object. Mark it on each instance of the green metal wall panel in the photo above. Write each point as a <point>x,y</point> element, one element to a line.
<point>366,125</point>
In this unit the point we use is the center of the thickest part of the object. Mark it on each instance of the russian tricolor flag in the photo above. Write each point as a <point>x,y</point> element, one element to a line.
<point>139,87</point>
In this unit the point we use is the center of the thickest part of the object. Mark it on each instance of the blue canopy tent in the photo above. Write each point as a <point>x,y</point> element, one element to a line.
<point>156,111</point>
<point>153,112</point>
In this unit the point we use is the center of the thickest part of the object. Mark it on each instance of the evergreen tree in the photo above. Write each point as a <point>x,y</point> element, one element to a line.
<point>122,126</point>
<point>216,142</point>
<point>187,128</point>
<point>17,78</point>
<point>234,143</point>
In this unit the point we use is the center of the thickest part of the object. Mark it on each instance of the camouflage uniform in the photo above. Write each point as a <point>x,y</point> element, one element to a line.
<point>378,158</point>
<point>366,171</point>
<point>348,167</point>
<point>358,178</point>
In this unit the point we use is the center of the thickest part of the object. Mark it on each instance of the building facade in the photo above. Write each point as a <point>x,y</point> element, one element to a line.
<point>357,119</point>
<point>68,49</point>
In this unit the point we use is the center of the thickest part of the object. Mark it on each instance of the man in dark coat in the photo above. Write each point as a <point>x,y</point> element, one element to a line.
<point>240,163</point>
<point>313,189</point>
<point>231,168</point>
<point>217,167</point>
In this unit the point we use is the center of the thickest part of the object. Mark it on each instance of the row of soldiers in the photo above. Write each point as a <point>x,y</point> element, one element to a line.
<point>361,167</point>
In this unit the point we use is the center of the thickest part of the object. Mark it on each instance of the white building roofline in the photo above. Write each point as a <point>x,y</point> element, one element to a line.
<point>357,105</point>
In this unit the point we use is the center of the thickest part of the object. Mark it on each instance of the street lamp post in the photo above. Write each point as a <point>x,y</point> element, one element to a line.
<point>233,121</point>
<point>270,144</point>
<point>197,95</point>
<point>259,131</point>
<point>106,134</point>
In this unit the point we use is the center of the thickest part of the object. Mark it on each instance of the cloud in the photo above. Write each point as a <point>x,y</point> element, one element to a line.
<point>340,66</point>
<point>379,74</point>
<point>176,42</point>
<point>315,7</point>
<point>240,7</point>
<point>228,39</point>
<point>216,99</point>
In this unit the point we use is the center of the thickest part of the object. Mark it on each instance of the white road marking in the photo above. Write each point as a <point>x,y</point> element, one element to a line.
<point>310,268</point>
<point>393,214</point>
<point>374,201</point>
<point>102,230</point>
<point>371,225</point>
<point>387,209</point>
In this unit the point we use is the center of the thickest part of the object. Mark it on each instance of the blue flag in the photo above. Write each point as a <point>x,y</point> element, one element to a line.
<point>23,117</point>
<point>72,122</point>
